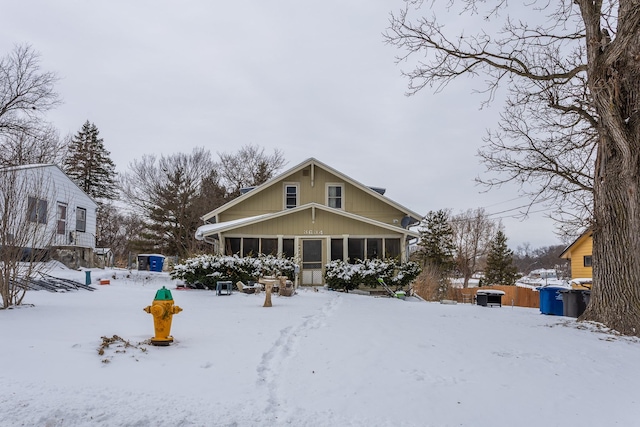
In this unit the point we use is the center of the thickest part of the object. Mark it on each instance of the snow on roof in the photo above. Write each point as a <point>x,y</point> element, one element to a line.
<point>213,228</point>
<point>489,292</point>
<point>30,166</point>
<point>581,280</point>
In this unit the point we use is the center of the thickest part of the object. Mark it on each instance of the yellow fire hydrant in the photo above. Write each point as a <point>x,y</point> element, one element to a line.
<point>162,310</point>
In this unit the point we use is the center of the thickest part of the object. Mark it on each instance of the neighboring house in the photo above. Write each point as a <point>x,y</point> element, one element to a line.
<point>314,214</point>
<point>48,212</point>
<point>580,253</point>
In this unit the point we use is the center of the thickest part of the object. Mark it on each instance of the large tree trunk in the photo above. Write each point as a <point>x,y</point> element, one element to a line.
<point>614,82</point>
<point>615,299</point>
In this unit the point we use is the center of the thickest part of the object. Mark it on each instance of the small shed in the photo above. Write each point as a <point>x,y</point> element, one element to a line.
<point>104,256</point>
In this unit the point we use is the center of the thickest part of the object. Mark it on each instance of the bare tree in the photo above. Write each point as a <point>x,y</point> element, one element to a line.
<point>120,231</point>
<point>573,81</point>
<point>24,213</point>
<point>173,192</point>
<point>26,94</point>
<point>249,167</point>
<point>473,231</point>
<point>40,145</point>
<point>546,257</point>
<point>165,192</point>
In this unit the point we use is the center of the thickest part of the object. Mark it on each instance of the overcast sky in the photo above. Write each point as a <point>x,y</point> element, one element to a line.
<point>309,78</point>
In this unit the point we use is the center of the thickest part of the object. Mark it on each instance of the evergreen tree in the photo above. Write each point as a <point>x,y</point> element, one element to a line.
<point>500,269</point>
<point>436,241</point>
<point>89,164</point>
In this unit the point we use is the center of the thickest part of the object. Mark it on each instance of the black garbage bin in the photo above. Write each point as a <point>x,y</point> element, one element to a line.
<point>489,298</point>
<point>574,302</point>
<point>586,294</point>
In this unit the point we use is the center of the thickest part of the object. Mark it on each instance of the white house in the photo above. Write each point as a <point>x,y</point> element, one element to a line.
<point>44,210</point>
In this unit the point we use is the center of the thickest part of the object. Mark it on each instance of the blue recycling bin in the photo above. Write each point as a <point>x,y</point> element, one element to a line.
<point>551,300</point>
<point>156,262</point>
<point>150,262</point>
<point>87,277</point>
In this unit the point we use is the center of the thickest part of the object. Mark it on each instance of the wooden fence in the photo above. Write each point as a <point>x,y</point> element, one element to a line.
<point>513,295</point>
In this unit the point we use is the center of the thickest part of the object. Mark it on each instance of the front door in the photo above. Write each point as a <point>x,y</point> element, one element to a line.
<point>312,262</point>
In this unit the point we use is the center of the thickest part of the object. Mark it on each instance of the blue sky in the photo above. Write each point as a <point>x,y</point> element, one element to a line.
<point>312,79</point>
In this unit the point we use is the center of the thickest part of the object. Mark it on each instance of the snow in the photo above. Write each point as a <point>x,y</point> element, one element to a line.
<point>489,292</point>
<point>315,359</point>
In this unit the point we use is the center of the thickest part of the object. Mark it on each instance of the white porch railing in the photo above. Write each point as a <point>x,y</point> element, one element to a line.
<point>75,239</point>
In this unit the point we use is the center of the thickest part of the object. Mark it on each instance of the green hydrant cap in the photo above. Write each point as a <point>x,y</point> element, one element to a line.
<point>163,294</point>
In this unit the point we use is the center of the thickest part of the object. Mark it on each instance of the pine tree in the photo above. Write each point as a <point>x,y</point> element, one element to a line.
<point>436,241</point>
<point>500,269</point>
<point>89,164</point>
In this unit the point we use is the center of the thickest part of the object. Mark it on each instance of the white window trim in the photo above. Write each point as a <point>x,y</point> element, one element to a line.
<point>342,197</point>
<point>59,220</point>
<point>78,209</point>
<point>33,212</point>
<point>284,193</point>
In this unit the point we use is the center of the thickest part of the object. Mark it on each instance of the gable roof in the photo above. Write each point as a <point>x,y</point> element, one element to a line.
<point>210,229</point>
<point>567,251</point>
<point>45,166</point>
<point>312,161</point>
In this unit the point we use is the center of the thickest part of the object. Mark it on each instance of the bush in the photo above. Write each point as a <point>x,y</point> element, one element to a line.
<point>206,270</point>
<point>432,285</point>
<point>342,275</point>
<point>405,274</point>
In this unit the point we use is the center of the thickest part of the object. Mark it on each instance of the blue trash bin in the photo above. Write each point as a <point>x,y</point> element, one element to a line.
<point>156,262</point>
<point>150,262</point>
<point>551,300</point>
<point>87,277</point>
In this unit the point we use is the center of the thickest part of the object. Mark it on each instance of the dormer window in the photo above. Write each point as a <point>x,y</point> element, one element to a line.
<point>335,193</point>
<point>291,196</point>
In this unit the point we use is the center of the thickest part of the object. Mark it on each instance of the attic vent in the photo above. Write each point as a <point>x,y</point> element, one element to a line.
<point>305,172</point>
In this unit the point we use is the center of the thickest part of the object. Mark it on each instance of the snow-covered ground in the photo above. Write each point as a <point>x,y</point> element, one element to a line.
<point>315,359</point>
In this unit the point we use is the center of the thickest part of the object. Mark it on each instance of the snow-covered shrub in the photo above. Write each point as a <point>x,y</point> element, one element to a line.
<point>342,275</point>
<point>206,270</point>
<point>339,274</point>
<point>404,274</point>
<point>274,266</point>
<point>372,269</point>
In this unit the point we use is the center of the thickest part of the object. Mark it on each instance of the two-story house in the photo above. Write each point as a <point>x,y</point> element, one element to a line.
<point>45,211</point>
<point>315,214</point>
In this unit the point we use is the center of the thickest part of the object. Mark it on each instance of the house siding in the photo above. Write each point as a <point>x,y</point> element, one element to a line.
<point>583,246</point>
<point>49,183</point>
<point>578,270</point>
<point>355,200</point>
<point>363,215</point>
<point>65,191</point>
<point>303,224</point>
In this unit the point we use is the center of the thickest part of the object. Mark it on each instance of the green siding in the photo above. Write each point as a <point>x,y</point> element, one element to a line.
<point>355,200</point>
<point>303,224</point>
